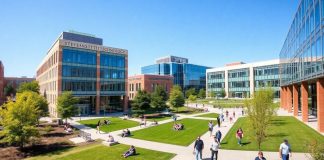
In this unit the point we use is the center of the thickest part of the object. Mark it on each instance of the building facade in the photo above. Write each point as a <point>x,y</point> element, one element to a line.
<point>184,74</point>
<point>301,63</point>
<point>240,80</point>
<point>94,73</point>
<point>148,83</point>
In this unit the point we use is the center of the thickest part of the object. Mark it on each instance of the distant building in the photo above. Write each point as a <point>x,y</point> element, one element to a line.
<point>96,74</point>
<point>10,81</point>
<point>184,74</point>
<point>148,83</point>
<point>240,80</point>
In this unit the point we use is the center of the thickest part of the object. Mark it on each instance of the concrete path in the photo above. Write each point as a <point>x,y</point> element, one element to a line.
<point>186,152</point>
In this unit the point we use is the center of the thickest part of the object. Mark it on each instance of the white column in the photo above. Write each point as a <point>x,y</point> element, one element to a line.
<point>226,83</point>
<point>251,80</point>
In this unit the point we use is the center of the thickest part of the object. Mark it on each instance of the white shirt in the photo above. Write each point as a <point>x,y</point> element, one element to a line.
<point>215,146</point>
<point>210,125</point>
<point>285,148</point>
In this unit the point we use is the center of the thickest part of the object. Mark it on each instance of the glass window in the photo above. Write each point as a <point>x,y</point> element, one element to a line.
<point>317,15</point>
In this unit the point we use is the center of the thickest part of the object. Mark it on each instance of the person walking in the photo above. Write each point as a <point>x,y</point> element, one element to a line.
<point>218,121</point>
<point>198,147</point>
<point>214,149</point>
<point>98,127</point>
<point>218,135</point>
<point>285,150</point>
<point>210,128</point>
<point>226,112</point>
<point>234,114</point>
<point>260,156</point>
<point>174,117</point>
<point>239,136</point>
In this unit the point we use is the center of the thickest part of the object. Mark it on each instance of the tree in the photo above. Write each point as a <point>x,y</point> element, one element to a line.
<point>316,150</point>
<point>202,94</point>
<point>176,97</point>
<point>9,90</point>
<point>260,110</point>
<point>66,105</point>
<point>19,119</point>
<point>212,94</point>
<point>29,86</point>
<point>222,93</point>
<point>192,98</point>
<point>141,102</point>
<point>191,91</point>
<point>159,98</point>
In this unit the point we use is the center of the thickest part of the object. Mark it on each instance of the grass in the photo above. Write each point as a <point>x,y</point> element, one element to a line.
<point>224,103</point>
<point>209,115</point>
<point>282,127</point>
<point>186,110</point>
<point>98,151</point>
<point>116,124</point>
<point>164,133</point>
<point>158,118</point>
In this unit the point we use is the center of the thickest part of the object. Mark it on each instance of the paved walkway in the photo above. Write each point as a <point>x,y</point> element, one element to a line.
<point>186,152</point>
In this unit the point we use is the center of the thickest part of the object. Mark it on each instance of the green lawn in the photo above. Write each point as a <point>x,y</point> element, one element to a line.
<point>99,151</point>
<point>282,127</point>
<point>158,118</point>
<point>164,133</point>
<point>116,124</point>
<point>209,115</point>
<point>186,110</point>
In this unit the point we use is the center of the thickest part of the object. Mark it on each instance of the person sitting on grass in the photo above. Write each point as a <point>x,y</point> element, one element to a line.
<point>143,122</point>
<point>106,122</point>
<point>154,122</point>
<point>110,138</point>
<point>69,130</point>
<point>126,133</point>
<point>178,127</point>
<point>131,151</point>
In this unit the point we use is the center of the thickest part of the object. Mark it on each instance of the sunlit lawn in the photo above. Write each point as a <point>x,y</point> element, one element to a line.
<point>164,133</point>
<point>116,124</point>
<point>282,127</point>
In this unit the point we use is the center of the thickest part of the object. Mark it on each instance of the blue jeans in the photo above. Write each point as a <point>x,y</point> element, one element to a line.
<point>285,156</point>
<point>198,154</point>
<point>239,141</point>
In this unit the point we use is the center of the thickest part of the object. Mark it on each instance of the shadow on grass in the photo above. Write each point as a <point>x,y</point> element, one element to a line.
<point>277,135</point>
<point>278,122</point>
<point>53,149</point>
<point>55,134</point>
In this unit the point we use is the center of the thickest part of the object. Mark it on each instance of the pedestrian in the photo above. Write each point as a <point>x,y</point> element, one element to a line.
<point>214,149</point>
<point>231,119</point>
<point>260,156</point>
<point>233,114</point>
<point>218,135</point>
<point>222,116</point>
<point>242,111</point>
<point>198,147</point>
<point>210,128</point>
<point>239,136</point>
<point>218,122</point>
<point>285,150</point>
<point>98,127</point>
<point>226,112</point>
<point>174,117</point>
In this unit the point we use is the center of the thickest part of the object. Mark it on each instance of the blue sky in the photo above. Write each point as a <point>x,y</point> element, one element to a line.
<point>208,32</point>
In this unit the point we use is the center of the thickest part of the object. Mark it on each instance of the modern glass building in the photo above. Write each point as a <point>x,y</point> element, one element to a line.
<point>301,63</point>
<point>184,74</point>
<point>96,74</point>
<point>240,80</point>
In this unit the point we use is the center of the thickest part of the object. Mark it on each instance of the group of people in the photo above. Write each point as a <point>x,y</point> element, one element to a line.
<point>99,123</point>
<point>68,128</point>
<point>126,133</point>
<point>178,126</point>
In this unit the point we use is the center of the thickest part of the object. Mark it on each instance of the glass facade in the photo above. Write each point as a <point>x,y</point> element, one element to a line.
<point>184,74</point>
<point>215,81</point>
<point>301,57</point>
<point>267,76</point>
<point>239,83</point>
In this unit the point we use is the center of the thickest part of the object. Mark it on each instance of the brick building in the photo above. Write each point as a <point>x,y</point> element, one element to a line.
<point>148,83</point>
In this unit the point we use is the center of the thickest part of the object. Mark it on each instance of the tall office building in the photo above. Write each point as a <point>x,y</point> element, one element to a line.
<point>184,74</point>
<point>96,74</point>
<point>301,63</point>
<point>240,80</point>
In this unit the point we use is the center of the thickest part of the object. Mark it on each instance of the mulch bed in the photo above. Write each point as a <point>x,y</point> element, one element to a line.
<point>55,140</point>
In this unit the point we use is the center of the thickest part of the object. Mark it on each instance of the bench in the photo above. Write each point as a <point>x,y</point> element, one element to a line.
<point>109,143</point>
<point>86,136</point>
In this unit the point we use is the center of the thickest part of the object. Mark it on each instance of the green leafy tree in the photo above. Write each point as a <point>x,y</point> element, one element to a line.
<point>159,98</point>
<point>260,110</point>
<point>176,99</point>
<point>212,94</point>
<point>222,93</point>
<point>9,91</point>
<point>191,91</point>
<point>316,150</point>
<point>66,105</point>
<point>29,86</point>
<point>202,94</point>
<point>192,98</point>
<point>141,102</point>
<point>19,119</point>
